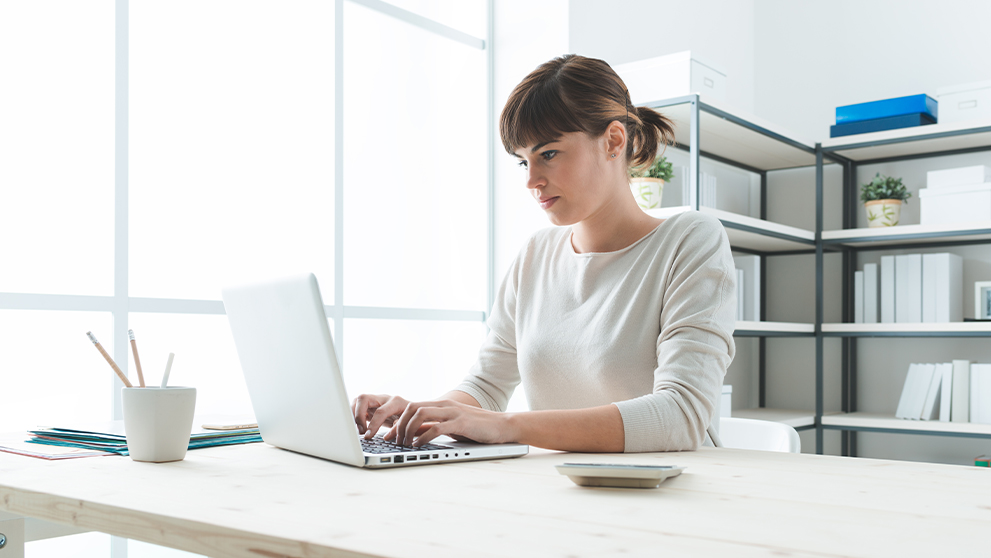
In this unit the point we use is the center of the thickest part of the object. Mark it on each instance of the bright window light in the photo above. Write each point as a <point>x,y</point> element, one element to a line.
<point>231,144</point>
<point>418,360</point>
<point>52,374</point>
<point>205,358</point>
<point>57,147</point>
<point>467,16</point>
<point>415,166</point>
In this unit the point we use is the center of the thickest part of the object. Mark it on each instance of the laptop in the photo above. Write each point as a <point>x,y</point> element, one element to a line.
<point>296,388</point>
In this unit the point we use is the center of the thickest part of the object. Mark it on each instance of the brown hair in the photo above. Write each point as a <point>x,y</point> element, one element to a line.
<point>572,93</point>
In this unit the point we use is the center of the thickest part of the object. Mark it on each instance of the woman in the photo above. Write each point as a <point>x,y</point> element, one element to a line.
<point>619,325</point>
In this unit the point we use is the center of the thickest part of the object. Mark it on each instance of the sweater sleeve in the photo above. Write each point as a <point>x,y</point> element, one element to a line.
<point>694,348</point>
<point>496,373</point>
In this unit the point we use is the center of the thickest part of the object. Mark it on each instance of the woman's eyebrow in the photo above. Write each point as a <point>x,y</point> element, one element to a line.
<point>541,144</point>
<point>536,147</point>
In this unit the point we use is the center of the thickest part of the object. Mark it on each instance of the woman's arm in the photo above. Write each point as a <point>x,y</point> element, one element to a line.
<point>597,429</point>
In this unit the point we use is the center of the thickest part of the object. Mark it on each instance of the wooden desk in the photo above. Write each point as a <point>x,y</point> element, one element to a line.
<point>261,502</point>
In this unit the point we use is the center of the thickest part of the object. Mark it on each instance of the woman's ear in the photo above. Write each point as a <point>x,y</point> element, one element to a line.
<point>615,137</point>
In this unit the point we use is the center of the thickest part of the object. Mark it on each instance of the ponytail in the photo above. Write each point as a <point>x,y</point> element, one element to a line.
<point>646,132</point>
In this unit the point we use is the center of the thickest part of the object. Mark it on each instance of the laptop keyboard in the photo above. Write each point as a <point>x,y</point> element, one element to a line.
<point>380,445</point>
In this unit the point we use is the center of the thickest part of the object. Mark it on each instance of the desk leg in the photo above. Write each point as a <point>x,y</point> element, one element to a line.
<point>12,538</point>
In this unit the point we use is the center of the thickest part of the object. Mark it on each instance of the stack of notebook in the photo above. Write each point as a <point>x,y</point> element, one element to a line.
<point>109,437</point>
<point>888,114</point>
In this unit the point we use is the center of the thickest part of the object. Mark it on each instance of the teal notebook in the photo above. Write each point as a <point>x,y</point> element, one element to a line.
<point>110,436</point>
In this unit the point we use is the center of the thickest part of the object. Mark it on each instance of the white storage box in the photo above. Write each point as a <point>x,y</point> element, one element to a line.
<point>955,204</point>
<point>968,101</point>
<point>674,75</point>
<point>963,176</point>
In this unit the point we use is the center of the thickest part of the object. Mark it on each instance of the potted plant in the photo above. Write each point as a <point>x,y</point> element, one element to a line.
<point>647,183</point>
<point>883,197</point>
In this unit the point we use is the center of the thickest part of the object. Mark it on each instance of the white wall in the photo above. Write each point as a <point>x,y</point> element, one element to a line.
<point>719,33</point>
<point>812,57</point>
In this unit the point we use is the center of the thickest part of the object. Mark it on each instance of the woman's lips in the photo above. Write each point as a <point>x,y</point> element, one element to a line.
<point>546,203</point>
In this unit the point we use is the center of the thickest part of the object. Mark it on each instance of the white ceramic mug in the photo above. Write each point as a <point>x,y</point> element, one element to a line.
<point>158,422</point>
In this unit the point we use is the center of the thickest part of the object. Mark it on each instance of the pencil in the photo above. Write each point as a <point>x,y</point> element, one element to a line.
<point>137,361</point>
<point>113,364</point>
<point>168,368</point>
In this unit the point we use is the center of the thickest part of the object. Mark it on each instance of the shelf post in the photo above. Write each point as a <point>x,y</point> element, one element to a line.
<point>694,190</point>
<point>818,324</point>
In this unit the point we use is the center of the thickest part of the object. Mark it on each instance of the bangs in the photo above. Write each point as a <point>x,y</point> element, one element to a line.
<point>536,112</point>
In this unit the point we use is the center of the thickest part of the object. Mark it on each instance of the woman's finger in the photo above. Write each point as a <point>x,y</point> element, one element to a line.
<point>384,413</point>
<point>359,408</point>
<point>422,415</point>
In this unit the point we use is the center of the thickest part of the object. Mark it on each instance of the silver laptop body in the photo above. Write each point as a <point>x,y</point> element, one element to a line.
<point>297,391</point>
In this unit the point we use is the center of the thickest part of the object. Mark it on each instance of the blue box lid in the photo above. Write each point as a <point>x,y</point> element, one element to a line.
<point>885,108</point>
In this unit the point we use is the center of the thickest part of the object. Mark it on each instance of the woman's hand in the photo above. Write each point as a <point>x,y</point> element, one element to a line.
<point>371,412</point>
<point>421,422</point>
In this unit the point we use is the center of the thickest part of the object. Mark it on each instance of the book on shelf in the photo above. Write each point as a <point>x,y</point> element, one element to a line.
<point>885,108</point>
<point>949,287</point>
<point>858,297</point>
<point>880,125</point>
<point>870,293</point>
<point>707,189</point>
<point>908,288</point>
<point>929,410</point>
<point>980,393</point>
<point>946,392</point>
<point>887,289</point>
<point>750,265</point>
<point>914,392</point>
<point>960,401</point>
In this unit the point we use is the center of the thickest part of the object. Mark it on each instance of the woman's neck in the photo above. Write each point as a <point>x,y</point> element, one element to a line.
<point>614,226</point>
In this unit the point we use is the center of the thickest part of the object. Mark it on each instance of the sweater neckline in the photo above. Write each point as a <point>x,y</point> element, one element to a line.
<point>571,246</point>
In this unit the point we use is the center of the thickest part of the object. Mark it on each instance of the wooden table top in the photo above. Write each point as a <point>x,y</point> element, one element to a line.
<point>258,501</point>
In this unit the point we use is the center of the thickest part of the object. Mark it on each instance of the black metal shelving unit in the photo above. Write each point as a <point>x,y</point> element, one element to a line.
<point>886,147</point>
<point>705,129</point>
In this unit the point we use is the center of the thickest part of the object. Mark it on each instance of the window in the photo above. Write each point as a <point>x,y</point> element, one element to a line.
<point>156,151</point>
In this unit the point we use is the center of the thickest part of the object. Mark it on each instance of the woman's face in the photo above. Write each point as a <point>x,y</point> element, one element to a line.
<point>571,176</point>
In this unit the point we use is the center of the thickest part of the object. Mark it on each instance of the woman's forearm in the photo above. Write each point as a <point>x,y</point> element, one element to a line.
<point>597,429</point>
<point>461,397</point>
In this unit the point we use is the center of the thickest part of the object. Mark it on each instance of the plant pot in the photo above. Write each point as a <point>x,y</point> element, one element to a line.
<point>647,192</point>
<point>883,213</point>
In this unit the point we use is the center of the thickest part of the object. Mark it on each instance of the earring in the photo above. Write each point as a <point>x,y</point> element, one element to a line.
<point>613,155</point>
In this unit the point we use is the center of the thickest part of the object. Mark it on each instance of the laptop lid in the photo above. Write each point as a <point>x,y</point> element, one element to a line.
<point>284,345</point>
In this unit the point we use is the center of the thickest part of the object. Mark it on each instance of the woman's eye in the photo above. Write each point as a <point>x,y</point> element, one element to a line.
<point>548,155</point>
<point>522,163</point>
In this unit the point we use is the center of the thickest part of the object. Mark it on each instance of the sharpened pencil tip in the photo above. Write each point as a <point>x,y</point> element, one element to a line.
<point>91,337</point>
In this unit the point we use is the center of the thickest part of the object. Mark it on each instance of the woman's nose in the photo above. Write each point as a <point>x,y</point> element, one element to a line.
<point>534,179</point>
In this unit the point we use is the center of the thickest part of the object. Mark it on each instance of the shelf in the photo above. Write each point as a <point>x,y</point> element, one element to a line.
<point>773,329</point>
<point>750,233</point>
<point>905,234</point>
<point>888,423</point>
<point>737,136</point>
<point>950,329</point>
<point>794,419</point>
<point>915,141</point>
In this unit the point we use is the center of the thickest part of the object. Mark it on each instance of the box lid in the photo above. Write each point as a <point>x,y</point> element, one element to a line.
<point>951,190</point>
<point>960,88</point>
<point>661,61</point>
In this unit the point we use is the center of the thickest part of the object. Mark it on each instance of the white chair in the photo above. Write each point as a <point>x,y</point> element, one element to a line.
<point>741,433</point>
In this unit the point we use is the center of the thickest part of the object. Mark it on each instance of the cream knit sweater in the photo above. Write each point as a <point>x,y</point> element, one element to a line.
<point>648,328</point>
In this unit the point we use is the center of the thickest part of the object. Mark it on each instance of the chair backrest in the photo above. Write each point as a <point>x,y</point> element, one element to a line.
<point>741,433</point>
